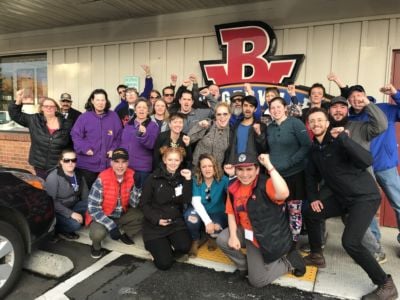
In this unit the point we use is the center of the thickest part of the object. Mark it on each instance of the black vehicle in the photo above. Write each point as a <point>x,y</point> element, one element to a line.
<point>26,217</point>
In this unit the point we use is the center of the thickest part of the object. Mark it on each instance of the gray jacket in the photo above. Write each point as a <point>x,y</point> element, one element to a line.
<point>60,189</point>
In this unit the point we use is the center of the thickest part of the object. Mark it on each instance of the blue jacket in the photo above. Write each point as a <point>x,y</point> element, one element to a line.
<point>384,146</point>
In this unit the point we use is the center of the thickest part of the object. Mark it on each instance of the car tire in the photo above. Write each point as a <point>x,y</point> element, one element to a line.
<point>13,245</point>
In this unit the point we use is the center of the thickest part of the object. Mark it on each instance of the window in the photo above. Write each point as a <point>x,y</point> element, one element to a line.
<point>28,72</point>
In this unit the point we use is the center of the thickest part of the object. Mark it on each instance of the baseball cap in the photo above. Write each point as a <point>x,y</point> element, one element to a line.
<point>355,88</point>
<point>245,159</point>
<point>339,99</point>
<point>66,96</point>
<point>120,153</point>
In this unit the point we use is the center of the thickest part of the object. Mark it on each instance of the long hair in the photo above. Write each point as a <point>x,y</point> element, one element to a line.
<point>217,169</point>
<point>89,105</point>
<point>40,108</point>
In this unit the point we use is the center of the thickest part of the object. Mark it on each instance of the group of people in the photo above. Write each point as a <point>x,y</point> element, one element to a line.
<point>186,168</point>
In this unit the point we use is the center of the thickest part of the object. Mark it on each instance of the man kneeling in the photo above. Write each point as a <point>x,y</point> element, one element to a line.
<point>112,204</point>
<point>257,221</point>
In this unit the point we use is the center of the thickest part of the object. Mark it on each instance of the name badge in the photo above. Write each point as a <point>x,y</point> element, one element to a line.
<point>248,235</point>
<point>178,190</point>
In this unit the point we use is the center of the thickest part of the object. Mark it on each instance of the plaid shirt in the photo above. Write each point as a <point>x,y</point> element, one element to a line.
<point>95,208</point>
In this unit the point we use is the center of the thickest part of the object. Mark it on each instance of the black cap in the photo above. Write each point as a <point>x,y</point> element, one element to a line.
<point>355,88</point>
<point>245,159</point>
<point>237,94</point>
<point>339,99</point>
<point>120,153</point>
<point>66,97</point>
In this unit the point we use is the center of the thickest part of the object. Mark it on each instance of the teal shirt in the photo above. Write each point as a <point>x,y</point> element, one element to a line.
<point>289,145</point>
<point>217,194</point>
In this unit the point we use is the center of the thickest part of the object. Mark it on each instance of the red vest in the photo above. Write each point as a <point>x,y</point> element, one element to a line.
<point>111,191</point>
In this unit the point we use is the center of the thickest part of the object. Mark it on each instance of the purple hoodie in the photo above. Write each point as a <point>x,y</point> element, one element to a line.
<point>99,133</point>
<point>140,147</point>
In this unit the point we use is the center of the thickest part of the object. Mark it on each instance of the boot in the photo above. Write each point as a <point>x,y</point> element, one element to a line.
<point>386,291</point>
<point>211,244</point>
<point>297,263</point>
<point>194,249</point>
<point>315,259</point>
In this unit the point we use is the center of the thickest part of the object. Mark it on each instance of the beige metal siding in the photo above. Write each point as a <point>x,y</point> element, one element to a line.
<point>357,50</point>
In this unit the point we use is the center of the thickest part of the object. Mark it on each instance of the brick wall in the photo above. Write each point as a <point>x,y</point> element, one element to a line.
<point>14,150</point>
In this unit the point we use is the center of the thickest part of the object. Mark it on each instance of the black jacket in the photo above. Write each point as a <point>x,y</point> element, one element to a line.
<point>164,139</point>
<point>73,115</point>
<point>269,222</point>
<point>343,164</point>
<point>163,197</point>
<point>45,147</point>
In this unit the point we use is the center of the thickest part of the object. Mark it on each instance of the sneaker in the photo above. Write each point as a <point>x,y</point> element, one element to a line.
<point>69,235</point>
<point>380,257</point>
<point>194,249</point>
<point>315,259</point>
<point>297,263</point>
<point>126,239</point>
<point>179,257</point>
<point>212,244</point>
<point>96,253</point>
<point>385,291</point>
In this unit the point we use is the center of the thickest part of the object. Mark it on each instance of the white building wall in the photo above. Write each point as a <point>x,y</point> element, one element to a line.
<point>358,50</point>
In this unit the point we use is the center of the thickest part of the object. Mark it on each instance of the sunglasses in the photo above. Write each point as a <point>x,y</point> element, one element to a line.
<point>225,114</point>
<point>168,95</point>
<point>69,160</point>
<point>121,92</point>
<point>66,101</point>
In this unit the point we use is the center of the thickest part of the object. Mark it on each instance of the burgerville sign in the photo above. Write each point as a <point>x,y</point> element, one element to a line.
<point>248,49</point>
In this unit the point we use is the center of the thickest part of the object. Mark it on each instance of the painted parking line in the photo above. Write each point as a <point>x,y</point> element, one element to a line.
<point>57,293</point>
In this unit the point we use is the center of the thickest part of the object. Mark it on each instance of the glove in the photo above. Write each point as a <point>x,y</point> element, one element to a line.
<point>115,233</point>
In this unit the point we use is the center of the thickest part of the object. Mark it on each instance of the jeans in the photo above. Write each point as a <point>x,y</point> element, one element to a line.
<point>195,224</point>
<point>69,225</point>
<point>389,180</point>
<point>359,216</point>
<point>374,227</point>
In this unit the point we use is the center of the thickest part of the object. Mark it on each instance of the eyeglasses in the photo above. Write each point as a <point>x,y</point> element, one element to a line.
<point>48,106</point>
<point>168,95</point>
<point>225,114</point>
<point>69,160</point>
<point>237,100</point>
<point>208,194</point>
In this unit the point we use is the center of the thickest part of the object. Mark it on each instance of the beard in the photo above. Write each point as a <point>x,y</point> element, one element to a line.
<point>237,111</point>
<point>341,123</point>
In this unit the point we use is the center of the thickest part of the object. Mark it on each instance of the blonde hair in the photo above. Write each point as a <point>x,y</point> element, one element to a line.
<point>217,168</point>
<point>222,104</point>
<point>165,150</point>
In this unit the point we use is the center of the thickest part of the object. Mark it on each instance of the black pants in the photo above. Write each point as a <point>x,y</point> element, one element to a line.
<point>161,249</point>
<point>90,177</point>
<point>359,216</point>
